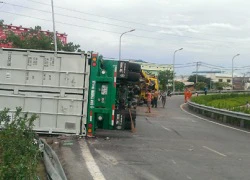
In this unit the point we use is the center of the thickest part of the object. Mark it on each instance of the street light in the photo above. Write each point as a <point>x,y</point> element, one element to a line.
<point>233,70</point>
<point>174,68</point>
<point>121,42</point>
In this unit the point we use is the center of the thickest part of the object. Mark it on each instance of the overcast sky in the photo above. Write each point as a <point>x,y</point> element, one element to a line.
<point>210,31</point>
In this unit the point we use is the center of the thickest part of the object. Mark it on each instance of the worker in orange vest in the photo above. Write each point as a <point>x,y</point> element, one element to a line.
<point>187,95</point>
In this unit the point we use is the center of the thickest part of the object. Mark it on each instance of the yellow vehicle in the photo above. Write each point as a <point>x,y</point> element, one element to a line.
<point>150,82</point>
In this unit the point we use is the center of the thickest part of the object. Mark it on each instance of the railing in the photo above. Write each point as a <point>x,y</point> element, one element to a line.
<point>214,92</point>
<point>52,164</point>
<point>225,116</point>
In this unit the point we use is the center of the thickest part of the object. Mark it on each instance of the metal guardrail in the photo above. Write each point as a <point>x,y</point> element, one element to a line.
<point>52,164</point>
<point>214,92</point>
<point>223,112</point>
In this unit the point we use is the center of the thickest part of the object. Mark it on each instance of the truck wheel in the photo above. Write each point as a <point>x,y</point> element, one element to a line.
<point>133,76</point>
<point>127,125</point>
<point>134,67</point>
<point>133,114</point>
<point>137,90</point>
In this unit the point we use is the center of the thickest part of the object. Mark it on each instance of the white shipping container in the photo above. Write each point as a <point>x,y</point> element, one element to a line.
<point>53,86</point>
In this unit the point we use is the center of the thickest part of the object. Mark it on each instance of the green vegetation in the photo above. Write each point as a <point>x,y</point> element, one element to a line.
<point>200,86</point>
<point>34,38</point>
<point>232,102</point>
<point>19,153</point>
<point>166,81</point>
<point>221,85</point>
<point>179,86</point>
<point>165,78</point>
<point>203,79</point>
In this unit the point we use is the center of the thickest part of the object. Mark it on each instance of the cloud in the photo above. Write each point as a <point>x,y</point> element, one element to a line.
<point>209,30</point>
<point>222,26</point>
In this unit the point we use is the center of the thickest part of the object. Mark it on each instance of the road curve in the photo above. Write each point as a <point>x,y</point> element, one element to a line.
<point>172,144</point>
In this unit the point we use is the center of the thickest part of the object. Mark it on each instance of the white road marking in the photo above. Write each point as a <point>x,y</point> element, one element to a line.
<point>107,157</point>
<point>165,128</point>
<point>90,162</point>
<point>214,151</point>
<point>189,177</point>
<point>212,121</point>
<point>173,161</point>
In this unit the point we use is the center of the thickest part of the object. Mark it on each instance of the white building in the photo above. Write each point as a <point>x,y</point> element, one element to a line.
<point>220,77</point>
<point>153,68</point>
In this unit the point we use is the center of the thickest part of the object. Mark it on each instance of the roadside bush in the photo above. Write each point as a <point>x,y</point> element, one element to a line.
<point>233,101</point>
<point>19,154</point>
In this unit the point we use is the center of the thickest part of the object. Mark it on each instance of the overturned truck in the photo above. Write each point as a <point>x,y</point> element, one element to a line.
<point>72,93</point>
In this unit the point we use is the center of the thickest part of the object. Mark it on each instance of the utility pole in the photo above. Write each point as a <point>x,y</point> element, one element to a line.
<point>196,79</point>
<point>54,27</point>
<point>233,70</point>
<point>197,66</point>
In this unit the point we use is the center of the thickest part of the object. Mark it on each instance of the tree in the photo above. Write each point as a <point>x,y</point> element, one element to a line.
<point>1,22</point>
<point>165,78</point>
<point>36,39</point>
<point>179,86</point>
<point>221,85</point>
<point>200,86</point>
<point>200,78</point>
<point>19,154</point>
<point>70,47</point>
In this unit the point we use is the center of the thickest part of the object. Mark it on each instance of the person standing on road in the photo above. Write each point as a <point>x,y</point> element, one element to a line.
<point>205,90</point>
<point>169,93</point>
<point>149,99</point>
<point>163,97</point>
<point>185,95</point>
<point>155,98</point>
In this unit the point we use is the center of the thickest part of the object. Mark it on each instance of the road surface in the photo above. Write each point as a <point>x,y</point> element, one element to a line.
<point>171,144</point>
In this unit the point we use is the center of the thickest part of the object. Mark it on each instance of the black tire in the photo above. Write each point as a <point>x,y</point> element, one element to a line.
<point>133,76</point>
<point>127,125</point>
<point>133,67</point>
<point>137,90</point>
<point>127,122</point>
<point>127,115</point>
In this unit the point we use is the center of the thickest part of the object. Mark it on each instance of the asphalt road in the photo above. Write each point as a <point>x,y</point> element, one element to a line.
<point>172,145</point>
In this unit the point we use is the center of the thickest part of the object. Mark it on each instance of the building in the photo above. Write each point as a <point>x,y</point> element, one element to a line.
<point>239,83</point>
<point>18,30</point>
<point>153,68</point>
<point>220,77</point>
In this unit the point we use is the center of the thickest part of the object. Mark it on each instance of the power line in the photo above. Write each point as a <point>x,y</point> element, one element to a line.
<point>182,36</point>
<point>211,64</point>
<point>184,66</point>
<point>60,22</point>
<point>161,39</point>
<point>76,17</point>
<point>212,67</point>
<point>74,10</point>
